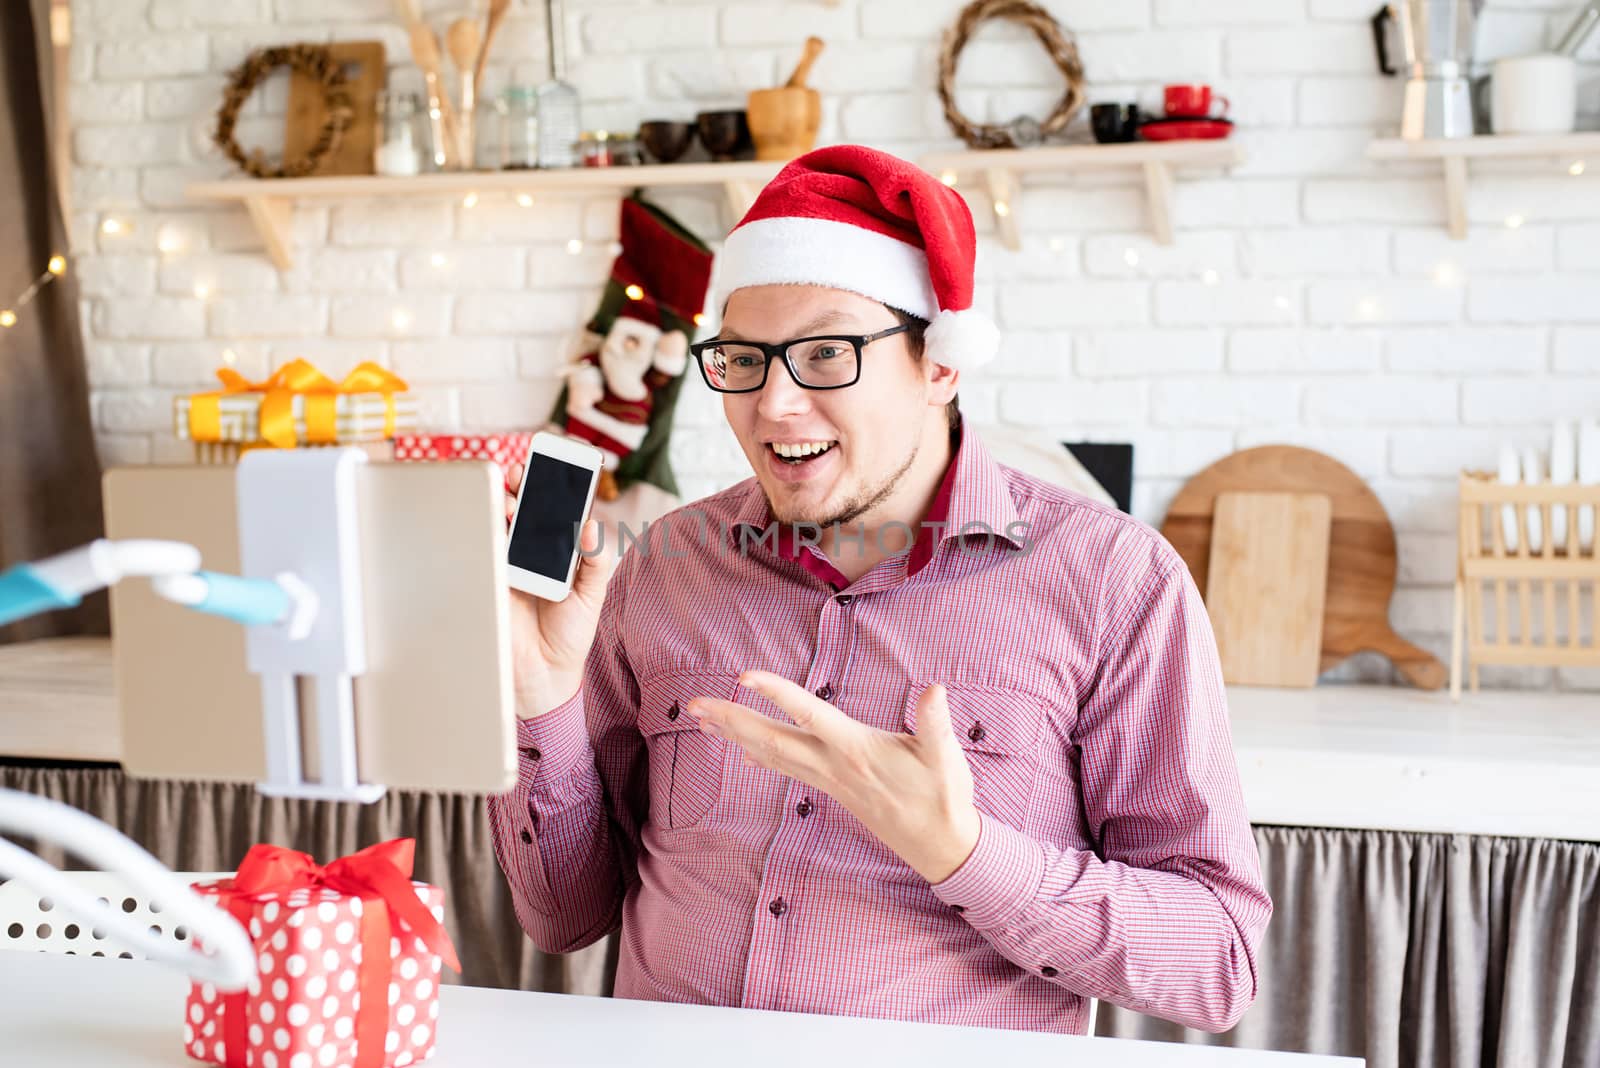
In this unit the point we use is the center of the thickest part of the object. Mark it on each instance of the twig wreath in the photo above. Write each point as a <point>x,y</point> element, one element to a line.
<point>1023,131</point>
<point>311,60</point>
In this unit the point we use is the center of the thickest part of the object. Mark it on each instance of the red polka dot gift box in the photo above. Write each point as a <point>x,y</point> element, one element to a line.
<point>504,448</point>
<point>348,959</point>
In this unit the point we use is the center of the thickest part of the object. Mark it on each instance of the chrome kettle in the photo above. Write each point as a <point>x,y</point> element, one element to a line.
<point>1437,37</point>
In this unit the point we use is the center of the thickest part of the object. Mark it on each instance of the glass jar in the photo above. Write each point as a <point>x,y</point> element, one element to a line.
<point>626,150</point>
<point>594,148</point>
<point>519,128</point>
<point>559,121</point>
<point>486,133</point>
<point>398,149</point>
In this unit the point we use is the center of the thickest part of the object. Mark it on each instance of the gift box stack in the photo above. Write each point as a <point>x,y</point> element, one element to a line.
<point>297,406</point>
<point>349,958</point>
<point>504,447</point>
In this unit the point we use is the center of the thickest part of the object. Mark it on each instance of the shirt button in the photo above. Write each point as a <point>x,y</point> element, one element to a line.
<point>825,691</point>
<point>527,839</point>
<point>976,733</point>
<point>533,752</point>
<point>672,713</point>
<point>844,598</point>
<point>959,908</point>
<point>803,809</point>
<point>778,907</point>
<point>1048,972</point>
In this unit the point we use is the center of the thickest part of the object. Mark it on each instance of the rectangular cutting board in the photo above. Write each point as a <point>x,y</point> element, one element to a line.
<point>1266,586</point>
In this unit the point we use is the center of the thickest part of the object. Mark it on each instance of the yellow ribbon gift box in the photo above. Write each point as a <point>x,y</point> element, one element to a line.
<point>298,405</point>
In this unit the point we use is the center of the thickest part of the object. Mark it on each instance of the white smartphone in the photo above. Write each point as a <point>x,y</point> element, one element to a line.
<point>557,489</point>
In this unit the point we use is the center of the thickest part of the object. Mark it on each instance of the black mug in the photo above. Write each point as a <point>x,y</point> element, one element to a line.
<point>1115,123</point>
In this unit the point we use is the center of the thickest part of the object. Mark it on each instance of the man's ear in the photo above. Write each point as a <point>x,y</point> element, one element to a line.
<point>943,382</point>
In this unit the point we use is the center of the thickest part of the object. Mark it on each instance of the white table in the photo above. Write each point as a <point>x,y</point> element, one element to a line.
<point>1384,758</point>
<point>58,1010</point>
<point>1388,758</point>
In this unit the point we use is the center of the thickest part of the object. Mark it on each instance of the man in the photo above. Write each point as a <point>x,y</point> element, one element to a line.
<point>946,744</point>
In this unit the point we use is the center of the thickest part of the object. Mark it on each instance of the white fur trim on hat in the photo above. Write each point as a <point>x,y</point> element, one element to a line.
<point>801,251</point>
<point>965,340</point>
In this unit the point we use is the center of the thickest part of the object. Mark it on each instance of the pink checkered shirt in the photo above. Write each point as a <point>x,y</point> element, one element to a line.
<point>1114,858</point>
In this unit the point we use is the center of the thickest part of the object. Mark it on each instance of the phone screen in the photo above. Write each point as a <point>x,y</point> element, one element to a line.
<point>545,536</point>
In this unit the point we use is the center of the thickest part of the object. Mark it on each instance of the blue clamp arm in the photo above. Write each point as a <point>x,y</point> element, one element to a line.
<point>24,592</point>
<point>251,601</point>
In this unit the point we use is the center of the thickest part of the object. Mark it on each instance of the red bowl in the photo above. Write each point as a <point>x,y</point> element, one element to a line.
<point>1186,130</point>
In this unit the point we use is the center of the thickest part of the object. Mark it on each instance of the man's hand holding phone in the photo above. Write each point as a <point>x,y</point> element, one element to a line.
<point>550,639</point>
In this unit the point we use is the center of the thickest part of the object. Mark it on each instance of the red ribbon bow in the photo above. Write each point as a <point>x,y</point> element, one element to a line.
<point>379,873</point>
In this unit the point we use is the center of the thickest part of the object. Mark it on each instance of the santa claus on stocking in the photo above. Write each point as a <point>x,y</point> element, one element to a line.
<point>622,385</point>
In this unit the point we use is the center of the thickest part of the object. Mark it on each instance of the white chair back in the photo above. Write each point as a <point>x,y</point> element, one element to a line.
<point>29,923</point>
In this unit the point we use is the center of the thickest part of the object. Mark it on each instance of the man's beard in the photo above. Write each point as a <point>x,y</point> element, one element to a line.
<point>859,504</point>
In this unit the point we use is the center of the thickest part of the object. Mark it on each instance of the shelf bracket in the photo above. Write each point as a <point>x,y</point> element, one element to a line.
<point>1455,195</point>
<point>1158,194</point>
<point>273,217</point>
<point>740,196</point>
<point>1003,195</point>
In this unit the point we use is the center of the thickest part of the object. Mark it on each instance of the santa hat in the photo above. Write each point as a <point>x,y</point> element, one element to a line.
<point>853,218</point>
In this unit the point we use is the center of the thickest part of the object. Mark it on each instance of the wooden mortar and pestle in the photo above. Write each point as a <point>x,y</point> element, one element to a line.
<point>784,121</point>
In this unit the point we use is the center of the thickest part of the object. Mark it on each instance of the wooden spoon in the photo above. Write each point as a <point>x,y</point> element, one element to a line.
<point>462,39</point>
<point>797,80</point>
<point>497,12</point>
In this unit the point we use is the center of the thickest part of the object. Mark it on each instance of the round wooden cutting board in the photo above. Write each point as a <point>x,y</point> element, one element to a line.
<point>1361,548</point>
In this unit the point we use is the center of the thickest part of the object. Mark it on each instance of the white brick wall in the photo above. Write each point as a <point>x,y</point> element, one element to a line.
<point>1577,349</point>
<point>1312,297</point>
<point>1148,353</point>
<point>1303,352</point>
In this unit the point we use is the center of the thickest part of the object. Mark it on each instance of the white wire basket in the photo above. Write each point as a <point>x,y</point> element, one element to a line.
<point>29,922</point>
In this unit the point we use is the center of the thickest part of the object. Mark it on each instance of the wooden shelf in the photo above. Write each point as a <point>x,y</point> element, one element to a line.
<point>1001,169</point>
<point>1456,151</point>
<point>1576,144</point>
<point>271,201</point>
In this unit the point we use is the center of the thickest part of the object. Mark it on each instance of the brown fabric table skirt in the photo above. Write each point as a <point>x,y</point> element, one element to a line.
<point>208,826</point>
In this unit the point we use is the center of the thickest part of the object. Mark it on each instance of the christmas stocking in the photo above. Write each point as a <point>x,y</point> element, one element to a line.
<point>623,384</point>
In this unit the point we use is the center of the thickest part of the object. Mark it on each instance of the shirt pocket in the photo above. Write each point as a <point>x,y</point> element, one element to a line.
<point>999,729</point>
<point>687,765</point>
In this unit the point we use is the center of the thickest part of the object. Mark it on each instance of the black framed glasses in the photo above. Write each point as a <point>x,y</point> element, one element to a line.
<point>830,362</point>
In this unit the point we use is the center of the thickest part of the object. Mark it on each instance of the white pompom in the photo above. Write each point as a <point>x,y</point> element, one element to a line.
<point>964,340</point>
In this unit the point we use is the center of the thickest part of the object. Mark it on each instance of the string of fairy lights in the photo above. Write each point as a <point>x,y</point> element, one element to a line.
<point>173,242</point>
<point>53,270</point>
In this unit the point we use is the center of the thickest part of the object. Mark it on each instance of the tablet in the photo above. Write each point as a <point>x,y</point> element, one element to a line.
<point>434,710</point>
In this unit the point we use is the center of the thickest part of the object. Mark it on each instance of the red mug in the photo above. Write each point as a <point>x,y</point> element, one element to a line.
<point>1193,102</point>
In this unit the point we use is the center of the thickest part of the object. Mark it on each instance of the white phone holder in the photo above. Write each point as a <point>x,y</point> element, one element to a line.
<point>299,521</point>
<point>300,600</point>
